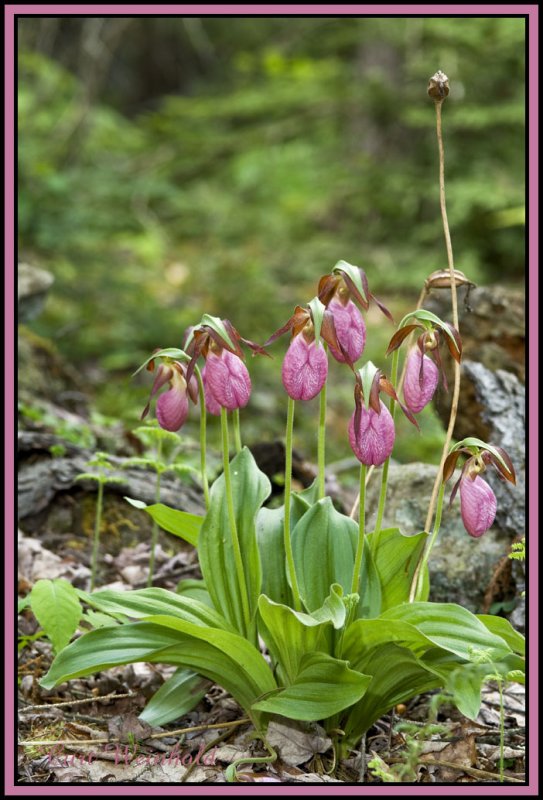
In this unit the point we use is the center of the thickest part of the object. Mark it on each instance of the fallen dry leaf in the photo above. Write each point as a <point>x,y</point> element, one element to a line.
<point>296,744</point>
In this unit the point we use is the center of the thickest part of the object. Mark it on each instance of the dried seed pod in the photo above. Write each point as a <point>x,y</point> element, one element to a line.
<point>438,86</point>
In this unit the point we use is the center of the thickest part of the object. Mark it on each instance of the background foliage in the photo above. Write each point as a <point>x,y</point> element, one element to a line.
<point>174,166</point>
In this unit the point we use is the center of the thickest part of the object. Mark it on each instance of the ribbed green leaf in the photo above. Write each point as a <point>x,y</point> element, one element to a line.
<point>290,635</point>
<point>250,488</point>
<point>397,675</point>
<point>224,657</point>
<point>395,560</point>
<point>369,587</point>
<point>142,603</point>
<point>451,627</point>
<point>176,697</point>
<point>324,544</point>
<point>365,635</point>
<point>502,627</point>
<point>271,544</point>
<point>180,523</point>
<point>56,606</point>
<point>196,589</point>
<point>323,686</point>
<point>270,538</point>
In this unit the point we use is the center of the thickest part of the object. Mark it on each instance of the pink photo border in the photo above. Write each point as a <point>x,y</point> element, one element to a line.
<point>10,12</point>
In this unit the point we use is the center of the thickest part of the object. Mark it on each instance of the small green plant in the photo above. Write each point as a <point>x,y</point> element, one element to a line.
<point>164,446</point>
<point>100,476</point>
<point>415,737</point>
<point>56,606</point>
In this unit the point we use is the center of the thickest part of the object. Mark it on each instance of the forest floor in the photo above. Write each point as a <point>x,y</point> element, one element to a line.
<point>88,731</point>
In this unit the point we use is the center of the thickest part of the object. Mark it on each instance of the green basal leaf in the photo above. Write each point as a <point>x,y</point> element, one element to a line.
<point>182,524</point>
<point>250,487</point>
<point>395,561</point>
<point>317,315</point>
<point>289,635</point>
<point>398,675</point>
<point>369,588</point>
<point>354,274</point>
<point>177,696</point>
<point>324,545</point>
<point>168,352</point>
<point>56,606</point>
<point>366,635</point>
<point>221,656</point>
<point>143,603</point>
<point>323,686</point>
<point>502,627</point>
<point>450,627</point>
<point>309,495</point>
<point>194,589</point>
<point>216,324</point>
<point>270,538</point>
<point>271,545</point>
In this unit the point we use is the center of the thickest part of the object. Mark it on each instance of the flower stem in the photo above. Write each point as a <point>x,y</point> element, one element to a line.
<point>96,538</point>
<point>418,575</point>
<point>321,441</point>
<point>237,431</point>
<point>154,530</point>
<point>288,484</point>
<point>384,475</point>
<point>203,434</point>
<point>456,389</point>
<point>232,521</point>
<point>361,530</point>
<point>454,301</point>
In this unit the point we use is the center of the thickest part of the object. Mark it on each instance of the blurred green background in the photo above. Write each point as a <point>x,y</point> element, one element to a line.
<point>174,166</point>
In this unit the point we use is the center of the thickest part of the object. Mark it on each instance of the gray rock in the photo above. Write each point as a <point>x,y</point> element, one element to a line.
<point>501,400</point>
<point>33,285</point>
<point>461,568</point>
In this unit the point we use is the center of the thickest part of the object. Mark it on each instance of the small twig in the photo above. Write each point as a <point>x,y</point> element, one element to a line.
<point>102,698</point>
<point>476,773</point>
<point>178,732</point>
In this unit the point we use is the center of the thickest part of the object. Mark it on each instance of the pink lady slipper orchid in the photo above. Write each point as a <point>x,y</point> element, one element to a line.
<point>371,427</point>
<point>423,363</point>
<point>350,329</point>
<point>337,291</point>
<point>172,407</point>
<point>478,503</point>
<point>421,379</point>
<point>373,440</point>
<point>226,379</point>
<point>305,366</point>
<point>212,406</point>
